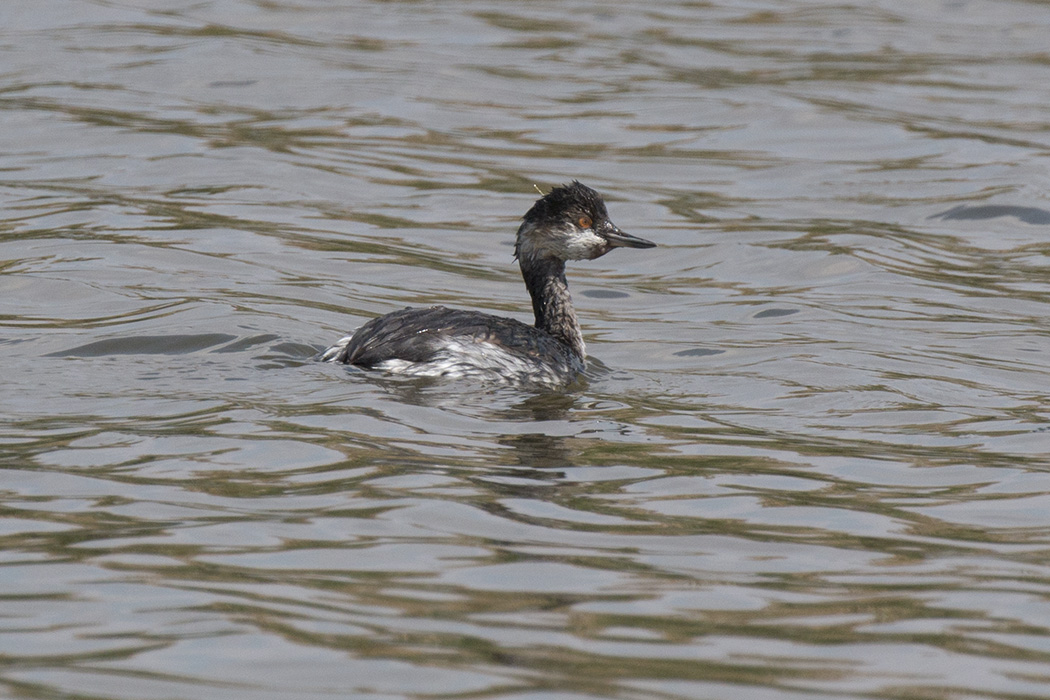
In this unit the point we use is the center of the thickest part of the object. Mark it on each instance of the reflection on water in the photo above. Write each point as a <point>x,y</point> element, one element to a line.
<point>808,457</point>
<point>1029,215</point>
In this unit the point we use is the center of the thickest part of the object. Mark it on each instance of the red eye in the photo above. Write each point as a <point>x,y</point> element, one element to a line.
<point>585,222</point>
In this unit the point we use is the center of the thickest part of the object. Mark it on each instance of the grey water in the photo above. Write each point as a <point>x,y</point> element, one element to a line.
<point>811,453</point>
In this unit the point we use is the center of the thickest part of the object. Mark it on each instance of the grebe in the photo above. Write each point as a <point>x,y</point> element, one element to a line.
<point>568,223</point>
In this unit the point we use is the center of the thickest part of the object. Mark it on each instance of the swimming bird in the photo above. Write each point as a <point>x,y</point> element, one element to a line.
<point>568,223</point>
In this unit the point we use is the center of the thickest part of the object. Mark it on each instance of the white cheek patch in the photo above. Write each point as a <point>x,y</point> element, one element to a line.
<point>582,245</point>
<point>566,243</point>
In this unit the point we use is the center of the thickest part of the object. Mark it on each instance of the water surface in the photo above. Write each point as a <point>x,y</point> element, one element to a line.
<point>809,458</point>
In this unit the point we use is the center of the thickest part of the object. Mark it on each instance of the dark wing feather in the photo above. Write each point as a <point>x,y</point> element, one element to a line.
<point>419,335</point>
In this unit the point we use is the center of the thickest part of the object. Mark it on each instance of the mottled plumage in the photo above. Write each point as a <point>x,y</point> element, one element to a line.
<point>569,223</point>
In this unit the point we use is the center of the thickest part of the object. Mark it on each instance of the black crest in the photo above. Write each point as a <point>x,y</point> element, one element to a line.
<point>568,201</point>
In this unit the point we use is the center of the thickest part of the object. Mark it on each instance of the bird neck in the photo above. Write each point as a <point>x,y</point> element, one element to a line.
<point>545,280</point>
